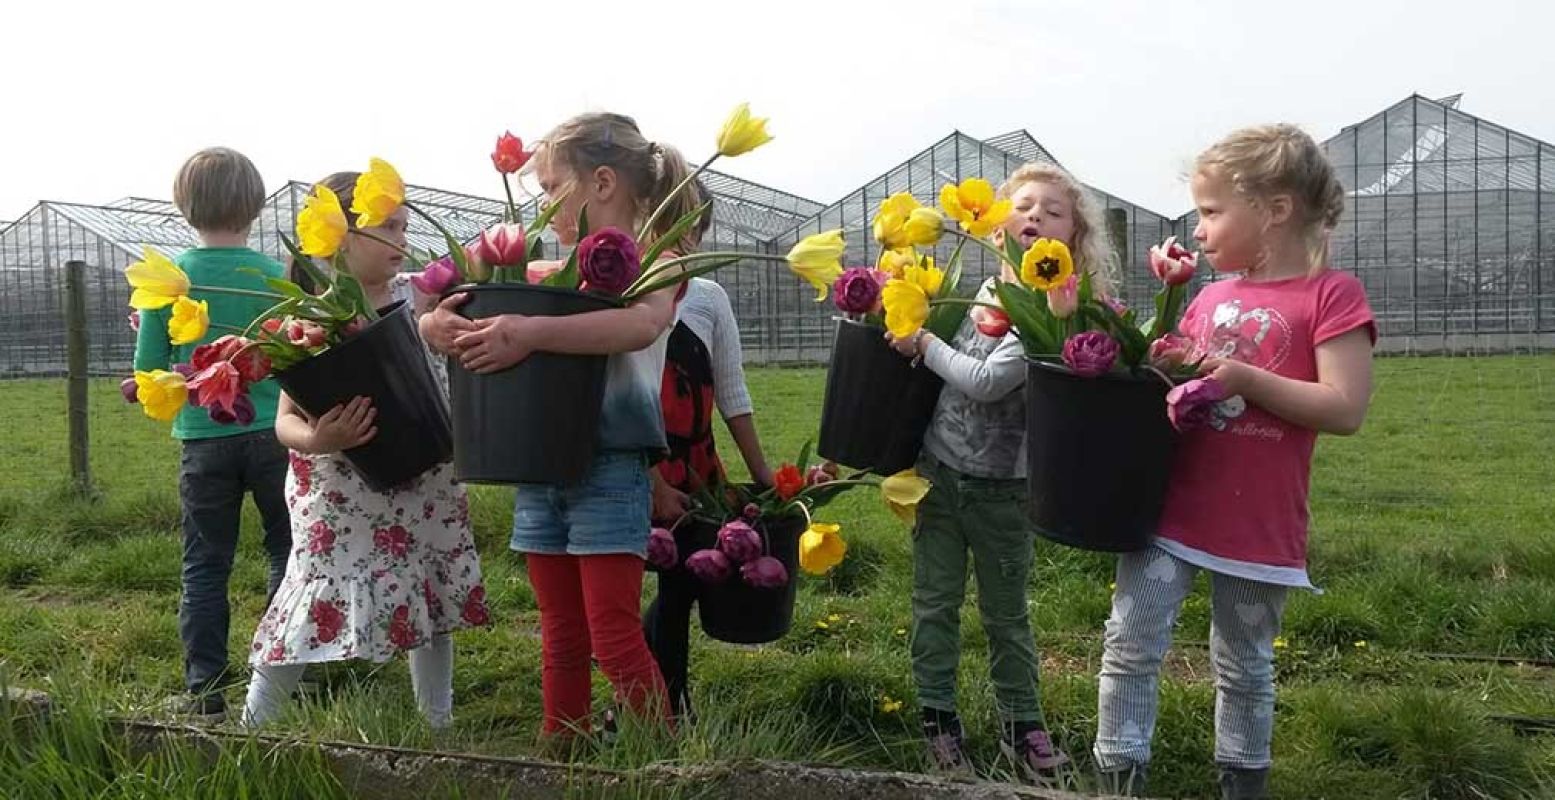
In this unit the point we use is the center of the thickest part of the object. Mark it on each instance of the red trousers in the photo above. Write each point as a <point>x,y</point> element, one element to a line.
<point>589,607</point>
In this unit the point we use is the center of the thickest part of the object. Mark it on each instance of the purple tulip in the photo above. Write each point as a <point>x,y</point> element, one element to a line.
<point>436,278</point>
<point>1191,405</point>
<point>242,411</point>
<point>710,566</point>
<point>662,552</point>
<point>765,573</point>
<point>856,291</point>
<point>1090,353</point>
<point>129,390</point>
<point>608,261</point>
<point>739,541</point>
<point>186,370</point>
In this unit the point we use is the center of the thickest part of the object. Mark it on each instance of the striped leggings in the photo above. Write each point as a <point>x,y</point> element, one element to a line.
<point>1151,586</point>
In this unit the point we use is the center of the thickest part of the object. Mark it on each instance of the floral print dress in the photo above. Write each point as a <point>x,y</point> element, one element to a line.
<point>371,573</point>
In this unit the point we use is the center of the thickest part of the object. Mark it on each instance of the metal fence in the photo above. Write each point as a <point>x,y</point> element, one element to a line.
<point>1450,223</point>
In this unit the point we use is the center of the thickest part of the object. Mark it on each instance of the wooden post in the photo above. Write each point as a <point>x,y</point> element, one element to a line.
<point>76,399</point>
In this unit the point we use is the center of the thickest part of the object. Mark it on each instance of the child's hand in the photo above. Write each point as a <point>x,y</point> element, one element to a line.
<point>495,344</point>
<point>1232,374</point>
<point>669,503</point>
<point>440,326</point>
<point>910,346</point>
<point>343,427</point>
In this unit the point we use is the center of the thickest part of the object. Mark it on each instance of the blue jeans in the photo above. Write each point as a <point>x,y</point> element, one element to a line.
<point>606,513</point>
<point>212,479</point>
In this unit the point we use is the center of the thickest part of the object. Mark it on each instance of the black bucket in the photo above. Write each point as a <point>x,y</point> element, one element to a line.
<point>734,611</point>
<point>878,405</point>
<point>1099,453</point>
<point>385,362</point>
<point>537,421</point>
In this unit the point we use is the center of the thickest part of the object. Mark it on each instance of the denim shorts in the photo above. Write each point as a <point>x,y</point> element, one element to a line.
<point>605,513</point>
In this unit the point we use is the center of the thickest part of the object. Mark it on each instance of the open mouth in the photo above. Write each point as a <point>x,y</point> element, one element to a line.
<point>1028,235</point>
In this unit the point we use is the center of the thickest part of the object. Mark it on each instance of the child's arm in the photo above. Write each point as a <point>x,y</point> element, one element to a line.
<point>341,428</point>
<point>743,430</point>
<point>984,381</point>
<point>1335,403</point>
<point>500,342</point>
<point>153,350</point>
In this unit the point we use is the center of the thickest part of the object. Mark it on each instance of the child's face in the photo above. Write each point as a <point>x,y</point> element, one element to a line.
<point>372,261</point>
<point>1043,210</point>
<point>1230,229</point>
<point>557,181</point>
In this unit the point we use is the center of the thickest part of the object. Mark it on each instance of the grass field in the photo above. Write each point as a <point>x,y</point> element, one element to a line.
<point>1433,535</point>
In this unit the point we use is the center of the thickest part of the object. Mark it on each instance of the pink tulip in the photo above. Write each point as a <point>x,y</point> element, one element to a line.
<point>1064,298</point>
<point>1090,354</point>
<point>739,541</point>
<point>765,573</point>
<point>1191,405</point>
<point>1169,352</point>
<point>540,270</point>
<point>501,245</point>
<point>305,333</point>
<point>1172,263</point>
<point>436,278</point>
<point>135,321</point>
<point>710,566</point>
<point>662,552</point>
<point>128,389</point>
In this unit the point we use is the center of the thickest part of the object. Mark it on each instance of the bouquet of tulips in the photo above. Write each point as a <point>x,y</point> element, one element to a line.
<point>610,262</point>
<point>297,326</point>
<point>744,513</point>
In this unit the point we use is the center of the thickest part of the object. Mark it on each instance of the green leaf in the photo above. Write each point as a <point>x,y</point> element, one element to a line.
<point>1012,251</point>
<point>676,231</point>
<point>804,457</point>
<point>1029,316</point>
<point>546,215</point>
<point>285,287</point>
<point>693,272</point>
<point>567,276</point>
<point>583,222</point>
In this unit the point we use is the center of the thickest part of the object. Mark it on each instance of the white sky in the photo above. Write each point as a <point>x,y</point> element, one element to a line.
<point>105,99</point>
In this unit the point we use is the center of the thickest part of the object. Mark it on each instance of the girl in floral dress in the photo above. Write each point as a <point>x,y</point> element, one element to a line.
<point>371,573</point>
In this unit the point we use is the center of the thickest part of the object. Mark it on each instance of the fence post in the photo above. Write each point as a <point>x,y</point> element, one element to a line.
<point>76,398</point>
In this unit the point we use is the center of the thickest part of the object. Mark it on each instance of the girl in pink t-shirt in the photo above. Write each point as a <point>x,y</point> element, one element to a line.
<point>1287,347</point>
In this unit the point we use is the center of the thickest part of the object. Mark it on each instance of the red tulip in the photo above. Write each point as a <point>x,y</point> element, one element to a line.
<point>510,156</point>
<point>1172,263</point>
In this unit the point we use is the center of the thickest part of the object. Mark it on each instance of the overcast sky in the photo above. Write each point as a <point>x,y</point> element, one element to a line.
<point>99,100</point>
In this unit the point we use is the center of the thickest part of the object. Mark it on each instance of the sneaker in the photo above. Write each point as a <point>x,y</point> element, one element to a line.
<point>1038,760</point>
<point>200,709</point>
<point>947,756</point>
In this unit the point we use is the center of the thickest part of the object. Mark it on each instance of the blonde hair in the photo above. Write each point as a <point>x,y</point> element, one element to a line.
<point>219,189</point>
<point>1267,160</point>
<point>1090,248</point>
<point>650,170</point>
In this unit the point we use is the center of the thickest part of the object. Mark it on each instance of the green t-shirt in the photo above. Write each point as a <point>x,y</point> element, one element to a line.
<point>213,266</point>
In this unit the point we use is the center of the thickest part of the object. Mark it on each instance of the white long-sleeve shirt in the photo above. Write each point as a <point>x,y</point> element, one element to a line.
<point>706,311</point>
<point>979,424</point>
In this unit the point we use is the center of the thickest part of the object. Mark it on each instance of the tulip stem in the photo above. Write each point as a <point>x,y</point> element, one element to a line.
<point>238,292</point>
<point>512,212</point>
<point>386,243</point>
<point>983,243</point>
<point>662,266</point>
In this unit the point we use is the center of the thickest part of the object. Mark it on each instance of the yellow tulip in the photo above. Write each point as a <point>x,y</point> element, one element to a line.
<point>906,299</point>
<point>973,205</point>
<point>379,193</point>
<point>821,548</point>
<point>321,224</point>
<point>156,280</point>
<point>189,321</point>
<point>742,133</point>
<point>903,222</point>
<point>902,492</point>
<point>161,394</point>
<point>896,261</point>
<point>817,258</point>
<point>1046,264</point>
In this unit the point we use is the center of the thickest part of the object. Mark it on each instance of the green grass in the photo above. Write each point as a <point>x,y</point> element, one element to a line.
<point>1432,533</point>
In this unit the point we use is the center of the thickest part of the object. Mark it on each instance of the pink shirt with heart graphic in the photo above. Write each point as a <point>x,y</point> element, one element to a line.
<point>1237,503</point>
